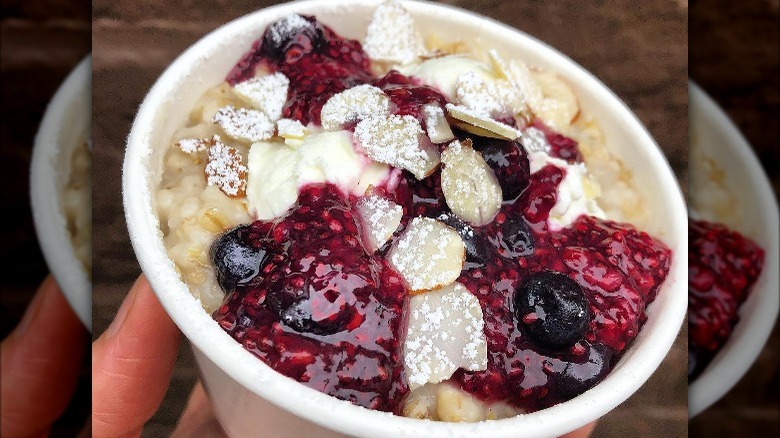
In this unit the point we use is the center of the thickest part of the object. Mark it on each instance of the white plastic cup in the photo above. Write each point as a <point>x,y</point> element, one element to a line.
<point>66,123</point>
<point>248,396</point>
<point>720,140</point>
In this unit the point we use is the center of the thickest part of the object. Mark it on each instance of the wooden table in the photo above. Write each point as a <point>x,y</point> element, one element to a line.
<point>639,49</point>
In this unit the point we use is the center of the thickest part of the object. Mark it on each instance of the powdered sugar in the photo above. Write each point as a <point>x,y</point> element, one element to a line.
<point>289,25</point>
<point>265,93</point>
<point>353,105</point>
<point>225,169</point>
<point>244,124</point>
<point>194,145</point>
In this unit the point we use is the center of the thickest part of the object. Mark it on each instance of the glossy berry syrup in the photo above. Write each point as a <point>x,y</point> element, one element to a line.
<point>723,265</point>
<point>302,293</point>
<point>617,269</point>
<point>322,311</point>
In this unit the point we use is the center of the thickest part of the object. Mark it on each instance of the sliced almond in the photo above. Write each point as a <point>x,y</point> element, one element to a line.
<point>428,255</point>
<point>291,129</point>
<point>445,332</point>
<point>491,97</point>
<point>482,121</point>
<point>392,36</point>
<point>265,93</point>
<point>519,76</point>
<point>547,96</point>
<point>244,124</point>
<point>398,141</point>
<point>225,169</point>
<point>353,105</point>
<point>380,217</point>
<point>469,184</point>
<point>436,124</point>
<point>559,106</point>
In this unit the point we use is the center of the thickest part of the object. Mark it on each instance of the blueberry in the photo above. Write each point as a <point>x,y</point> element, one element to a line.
<point>513,239</point>
<point>509,162</point>
<point>552,309</point>
<point>478,252</point>
<point>577,378</point>
<point>307,306</point>
<point>236,261</point>
<point>291,37</point>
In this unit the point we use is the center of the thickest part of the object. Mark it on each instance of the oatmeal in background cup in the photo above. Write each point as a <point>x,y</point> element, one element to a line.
<point>60,189</point>
<point>729,186</point>
<point>247,394</point>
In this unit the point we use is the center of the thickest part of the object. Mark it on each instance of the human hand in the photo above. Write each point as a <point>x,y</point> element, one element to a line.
<point>132,363</point>
<point>39,364</point>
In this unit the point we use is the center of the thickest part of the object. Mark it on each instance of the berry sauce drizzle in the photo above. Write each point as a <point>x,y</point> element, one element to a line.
<point>324,311</point>
<point>723,266</point>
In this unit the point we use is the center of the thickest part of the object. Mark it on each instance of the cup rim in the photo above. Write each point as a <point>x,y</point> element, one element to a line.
<point>735,357</point>
<point>46,192</point>
<point>230,356</point>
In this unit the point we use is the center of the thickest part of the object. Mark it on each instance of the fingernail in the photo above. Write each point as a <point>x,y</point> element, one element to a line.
<point>30,314</point>
<point>124,309</point>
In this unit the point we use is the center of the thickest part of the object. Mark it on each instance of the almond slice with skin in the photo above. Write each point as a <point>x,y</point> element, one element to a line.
<point>469,184</point>
<point>428,255</point>
<point>398,141</point>
<point>444,333</point>
<point>380,217</point>
<point>225,169</point>
<point>482,121</point>
<point>559,106</point>
<point>353,105</point>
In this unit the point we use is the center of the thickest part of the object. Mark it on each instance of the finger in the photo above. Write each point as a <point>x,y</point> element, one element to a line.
<point>39,364</point>
<point>132,363</point>
<point>198,419</point>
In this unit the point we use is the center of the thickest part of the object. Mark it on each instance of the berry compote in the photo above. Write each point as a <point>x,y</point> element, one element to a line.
<point>322,310</point>
<point>306,297</point>
<point>723,266</point>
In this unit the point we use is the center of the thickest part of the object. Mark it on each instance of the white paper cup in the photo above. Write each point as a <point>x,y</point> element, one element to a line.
<point>65,125</point>
<point>721,141</point>
<point>250,397</point>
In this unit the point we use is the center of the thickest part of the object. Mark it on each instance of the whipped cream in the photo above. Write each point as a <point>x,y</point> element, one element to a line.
<point>443,73</point>
<point>577,193</point>
<point>276,171</point>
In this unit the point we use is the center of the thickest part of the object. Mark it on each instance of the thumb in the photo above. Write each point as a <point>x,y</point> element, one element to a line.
<point>132,363</point>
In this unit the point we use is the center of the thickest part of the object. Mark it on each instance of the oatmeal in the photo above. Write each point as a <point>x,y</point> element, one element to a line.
<point>419,228</point>
<point>77,204</point>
